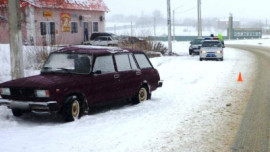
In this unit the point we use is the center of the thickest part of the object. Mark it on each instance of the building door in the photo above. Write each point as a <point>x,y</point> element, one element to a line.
<point>85,31</point>
<point>48,32</point>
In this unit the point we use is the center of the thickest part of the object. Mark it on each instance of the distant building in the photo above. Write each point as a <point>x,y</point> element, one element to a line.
<point>47,22</point>
<point>242,33</point>
<point>224,24</point>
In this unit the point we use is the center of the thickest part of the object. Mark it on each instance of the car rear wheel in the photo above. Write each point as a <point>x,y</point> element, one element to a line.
<point>190,52</point>
<point>201,59</point>
<point>141,95</point>
<point>17,112</point>
<point>71,109</point>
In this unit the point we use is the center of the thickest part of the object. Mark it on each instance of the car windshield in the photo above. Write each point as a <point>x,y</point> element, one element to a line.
<point>68,63</point>
<point>198,41</point>
<point>212,44</point>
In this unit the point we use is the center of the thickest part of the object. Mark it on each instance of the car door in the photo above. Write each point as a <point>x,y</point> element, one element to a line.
<point>130,75</point>
<point>149,74</point>
<point>96,41</point>
<point>105,79</point>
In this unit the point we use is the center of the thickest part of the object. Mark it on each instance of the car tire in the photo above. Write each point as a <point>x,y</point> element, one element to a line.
<point>17,112</point>
<point>221,59</point>
<point>141,96</point>
<point>190,52</point>
<point>201,59</point>
<point>72,109</point>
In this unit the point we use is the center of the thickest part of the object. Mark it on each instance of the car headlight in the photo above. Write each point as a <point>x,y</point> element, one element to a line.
<point>5,91</point>
<point>219,51</point>
<point>203,52</point>
<point>42,93</point>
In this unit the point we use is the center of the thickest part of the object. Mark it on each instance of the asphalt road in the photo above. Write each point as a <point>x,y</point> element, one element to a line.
<point>254,131</point>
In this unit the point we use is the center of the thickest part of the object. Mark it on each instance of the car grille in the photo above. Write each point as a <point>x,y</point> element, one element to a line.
<point>22,92</point>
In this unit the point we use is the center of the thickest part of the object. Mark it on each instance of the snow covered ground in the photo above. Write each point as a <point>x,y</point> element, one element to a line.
<point>188,113</point>
<point>258,42</point>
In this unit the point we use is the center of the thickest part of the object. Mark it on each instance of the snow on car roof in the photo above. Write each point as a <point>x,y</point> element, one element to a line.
<point>95,50</point>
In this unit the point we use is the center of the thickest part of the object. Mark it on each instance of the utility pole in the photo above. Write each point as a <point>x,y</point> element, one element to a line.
<point>131,29</point>
<point>155,28</point>
<point>266,26</point>
<point>169,27</point>
<point>199,19</point>
<point>16,55</point>
<point>173,26</point>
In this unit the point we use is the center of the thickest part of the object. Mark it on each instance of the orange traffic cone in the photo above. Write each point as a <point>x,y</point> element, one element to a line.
<point>240,77</point>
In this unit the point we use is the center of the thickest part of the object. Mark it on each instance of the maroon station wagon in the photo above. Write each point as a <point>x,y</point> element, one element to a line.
<point>74,79</point>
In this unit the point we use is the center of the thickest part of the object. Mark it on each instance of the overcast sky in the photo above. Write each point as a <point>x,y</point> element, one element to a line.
<point>254,9</point>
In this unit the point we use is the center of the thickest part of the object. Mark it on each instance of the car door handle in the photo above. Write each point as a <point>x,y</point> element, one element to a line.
<point>116,76</point>
<point>138,72</point>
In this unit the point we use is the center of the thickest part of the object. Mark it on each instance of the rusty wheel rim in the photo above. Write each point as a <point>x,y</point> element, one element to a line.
<point>75,109</point>
<point>142,94</point>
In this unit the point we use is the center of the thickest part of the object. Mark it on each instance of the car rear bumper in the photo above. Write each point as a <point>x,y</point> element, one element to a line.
<point>160,83</point>
<point>30,105</point>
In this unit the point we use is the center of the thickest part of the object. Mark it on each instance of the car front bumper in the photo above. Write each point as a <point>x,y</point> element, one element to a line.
<point>211,55</point>
<point>160,83</point>
<point>30,105</point>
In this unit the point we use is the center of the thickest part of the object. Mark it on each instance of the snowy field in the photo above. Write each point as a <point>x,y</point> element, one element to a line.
<point>160,30</point>
<point>188,113</point>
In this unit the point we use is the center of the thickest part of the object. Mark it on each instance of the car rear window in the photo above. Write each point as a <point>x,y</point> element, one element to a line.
<point>212,44</point>
<point>143,61</point>
<point>104,64</point>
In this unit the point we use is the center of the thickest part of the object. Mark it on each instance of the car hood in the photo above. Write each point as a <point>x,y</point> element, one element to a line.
<point>40,81</point>
<point>196,45</point>
<point>211,49</point>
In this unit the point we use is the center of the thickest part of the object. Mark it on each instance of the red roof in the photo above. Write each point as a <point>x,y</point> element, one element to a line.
<point>93,5</point>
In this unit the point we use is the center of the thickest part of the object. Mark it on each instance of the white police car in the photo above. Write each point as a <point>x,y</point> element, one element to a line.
<point>211,49</point>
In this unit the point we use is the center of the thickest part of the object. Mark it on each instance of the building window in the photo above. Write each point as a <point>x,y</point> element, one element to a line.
<point>43,28</point>
<point>95,27</point>
<point>74,27</point>
<point>52,28</point>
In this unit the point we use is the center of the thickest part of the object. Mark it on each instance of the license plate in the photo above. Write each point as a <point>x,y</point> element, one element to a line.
<point>211,55</point>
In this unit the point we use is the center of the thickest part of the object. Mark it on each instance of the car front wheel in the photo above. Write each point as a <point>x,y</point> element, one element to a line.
<point>71,109</point>
<point>141,95</point>
<point>17,112</point>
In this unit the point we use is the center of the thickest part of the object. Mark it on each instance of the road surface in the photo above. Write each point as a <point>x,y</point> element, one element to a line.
<point>253,133</point>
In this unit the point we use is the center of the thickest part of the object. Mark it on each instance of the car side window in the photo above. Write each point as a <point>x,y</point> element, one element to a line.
<point>122,62</point>
<point>143,61</point>
<point>104,64</point>
<point>132,62</point>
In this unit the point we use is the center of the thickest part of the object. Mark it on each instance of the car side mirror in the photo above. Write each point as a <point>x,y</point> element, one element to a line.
<point>97,72</point>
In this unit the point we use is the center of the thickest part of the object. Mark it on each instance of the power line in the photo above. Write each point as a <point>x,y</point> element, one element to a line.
<point>187,10</point>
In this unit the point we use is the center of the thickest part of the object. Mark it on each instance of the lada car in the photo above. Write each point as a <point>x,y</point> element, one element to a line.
<point>75,79</point>
<point>211,49</point>
<point>195,46</point>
